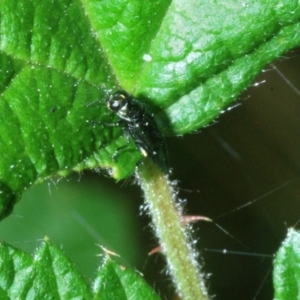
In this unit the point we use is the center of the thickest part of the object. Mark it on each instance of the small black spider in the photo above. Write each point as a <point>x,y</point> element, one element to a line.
<point>139,123</point>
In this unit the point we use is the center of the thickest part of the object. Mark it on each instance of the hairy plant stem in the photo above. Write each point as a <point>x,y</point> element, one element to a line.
<point>172,233</point>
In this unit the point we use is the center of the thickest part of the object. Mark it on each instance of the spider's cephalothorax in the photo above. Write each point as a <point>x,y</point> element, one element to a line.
<point>139,123</point>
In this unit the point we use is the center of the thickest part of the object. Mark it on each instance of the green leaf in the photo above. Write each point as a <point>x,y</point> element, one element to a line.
<point>50,275</point>
<point>58,60</point>
<point>286,274</point>
<point>117,282</point>
<point>16,272</point>
<point>61,280</point>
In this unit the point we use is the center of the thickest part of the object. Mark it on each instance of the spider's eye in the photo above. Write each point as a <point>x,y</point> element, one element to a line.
<point>114,105</point>
<point>116,101</point>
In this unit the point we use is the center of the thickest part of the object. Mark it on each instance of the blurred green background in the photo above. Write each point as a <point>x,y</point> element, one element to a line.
<point>248,152</point>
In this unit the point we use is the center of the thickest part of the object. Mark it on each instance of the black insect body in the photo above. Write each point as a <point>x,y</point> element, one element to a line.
<point>139,123</point>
